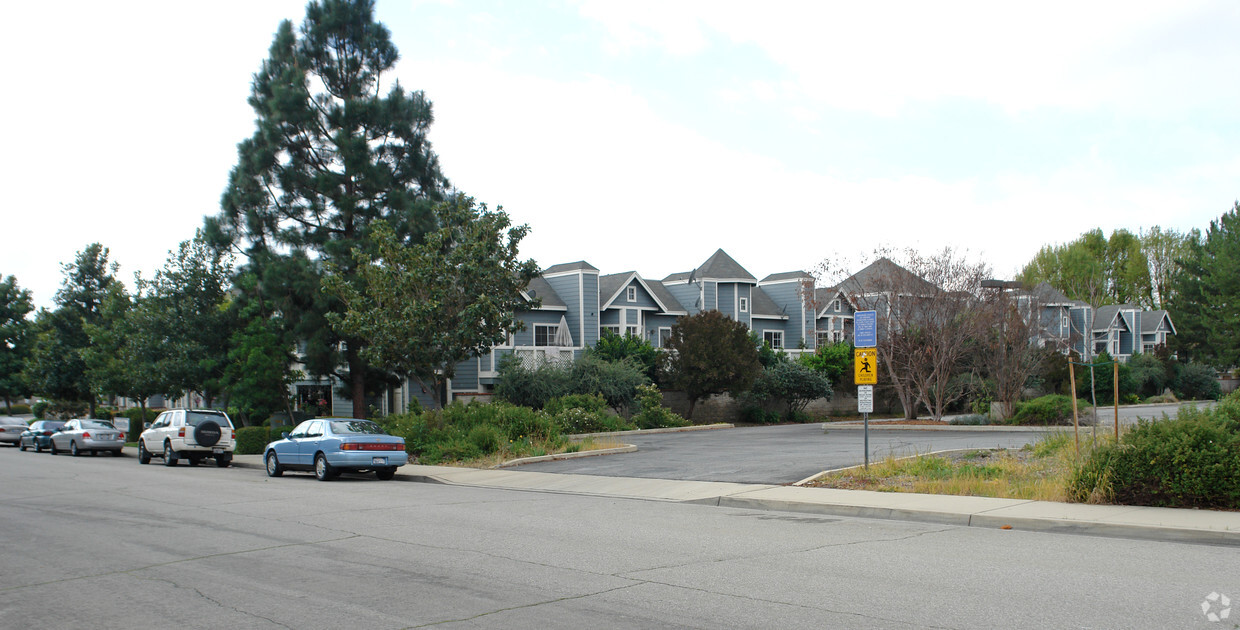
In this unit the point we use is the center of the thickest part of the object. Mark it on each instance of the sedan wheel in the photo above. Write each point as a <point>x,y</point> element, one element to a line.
<point>170,458</point>
<point>38,448</point>
<point>21,446</point>
<point>144,456</point>
<point>385,473</point>
<point>323,470</point>
<point>273,465</point>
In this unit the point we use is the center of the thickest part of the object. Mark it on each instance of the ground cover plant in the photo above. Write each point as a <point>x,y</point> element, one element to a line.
<point>1037,472</point>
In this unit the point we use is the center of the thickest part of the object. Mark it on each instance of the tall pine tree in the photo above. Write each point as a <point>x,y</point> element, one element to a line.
<point>331,157</point>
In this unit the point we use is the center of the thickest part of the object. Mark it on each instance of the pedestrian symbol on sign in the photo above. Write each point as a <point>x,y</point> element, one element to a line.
<point>865,366</point>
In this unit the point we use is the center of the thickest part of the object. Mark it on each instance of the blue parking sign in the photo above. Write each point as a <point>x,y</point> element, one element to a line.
<point>865,329</point>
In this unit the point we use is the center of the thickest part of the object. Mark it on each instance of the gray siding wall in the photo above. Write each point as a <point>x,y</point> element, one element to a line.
<point>580,292</point>
<point>466,378</point>
<point>726,294</point>
<point>762,325</point>
<point>687,295</point>
<point>711,295</point>
<point>526,337</point>
<point>610,317</point>
<point>745,291</point>
<point>654,323</point>
<point>643,297</point>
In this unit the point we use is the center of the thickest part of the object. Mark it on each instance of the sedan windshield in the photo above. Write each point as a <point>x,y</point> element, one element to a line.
<point>361,427</point>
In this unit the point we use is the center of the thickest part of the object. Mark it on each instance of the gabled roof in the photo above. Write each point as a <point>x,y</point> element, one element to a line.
<point>539,288</point>
<point>1105,316</point>
<point>826,295</point>
<point>580,265</point>
<point>1151,319</point>
<point>1049,295</point>
<point>721,266</point>
<point>761,305</point>
<point>610,286</point>
<point>785,277</point>
<point>881,276</point>
<point>670,304</point>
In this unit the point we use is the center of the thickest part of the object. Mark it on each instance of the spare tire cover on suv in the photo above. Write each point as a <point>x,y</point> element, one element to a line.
<point>207,433</point>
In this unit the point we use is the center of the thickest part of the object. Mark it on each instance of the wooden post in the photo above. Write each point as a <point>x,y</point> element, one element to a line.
<point>1116,396</point>
<point>1075,427</point>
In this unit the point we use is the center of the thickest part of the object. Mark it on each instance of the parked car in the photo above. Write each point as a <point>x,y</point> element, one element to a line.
<point>329,446</point>
<point>39,435</point>
<point>190,434</point>
<point>11,429</point>
<point>85,435</point>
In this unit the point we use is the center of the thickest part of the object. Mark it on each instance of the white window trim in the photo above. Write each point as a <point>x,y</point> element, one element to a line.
<point>631,294</point>
<point>743,305</point>
<point>611,328</point>
<point>550,335</point>
<point>771,341</point>
<point>635,331</point>
<point>835,305</point>
<point>659,338</point>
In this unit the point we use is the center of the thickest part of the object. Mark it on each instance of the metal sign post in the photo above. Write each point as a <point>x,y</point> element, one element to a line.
<point>865,371</point>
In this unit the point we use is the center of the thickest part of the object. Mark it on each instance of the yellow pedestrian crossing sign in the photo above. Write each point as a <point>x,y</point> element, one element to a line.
<point>865,366</point>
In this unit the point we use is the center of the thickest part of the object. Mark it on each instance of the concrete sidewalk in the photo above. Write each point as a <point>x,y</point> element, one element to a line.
<point>1166,524</point>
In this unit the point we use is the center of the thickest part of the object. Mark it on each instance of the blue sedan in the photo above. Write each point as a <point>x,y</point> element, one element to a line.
<point>330,446</point>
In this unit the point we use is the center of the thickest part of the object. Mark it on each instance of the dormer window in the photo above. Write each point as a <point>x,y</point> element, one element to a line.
<point>632,294</point>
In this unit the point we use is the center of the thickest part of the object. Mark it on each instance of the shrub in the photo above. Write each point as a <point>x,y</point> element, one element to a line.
<point>1192,461</point>
<point>1148,374</point>
<point>1198,381</point>
<point>104,414</point>
<point>613,347</point>
<point>485,438</point>
<point>587,402</point>
<point>789,383</point>
<point>39,409</point>
<point>754,414</point>
<point>135,415</point>
<point>251,440</point>
<point>833,360</point>
<point>584,413</point>
<point>19,409</point>
<point>528,386</point>
<point>1053,409</point>
<point>973,419</point>
<point>651,414</point>
<point>615,381</point>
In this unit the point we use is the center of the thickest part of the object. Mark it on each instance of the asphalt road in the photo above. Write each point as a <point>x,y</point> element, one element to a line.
<point>771,455</point>
<point>106,543</point>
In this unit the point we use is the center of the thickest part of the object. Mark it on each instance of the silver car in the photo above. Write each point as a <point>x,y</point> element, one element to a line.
<point>86,435</point>
<point>11,429</point>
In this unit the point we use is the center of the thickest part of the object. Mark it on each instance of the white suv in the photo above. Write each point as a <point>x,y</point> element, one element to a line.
<point>192,434</point>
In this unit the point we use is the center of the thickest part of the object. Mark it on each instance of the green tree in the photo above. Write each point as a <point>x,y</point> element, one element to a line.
<point>1162,248</point>
<point>1096,269</point>
<point>15,340</point>
<point>331,158</point>
<point>710,353</point>
<point>189,302</point>
<point>57,369</point>
<point>259,369</point>
<point>833,360</point>
<point>423,308</point>
<point>1206,292</point>
<point>613,347</point>
<point>127,355</point>
<point>790,383</point>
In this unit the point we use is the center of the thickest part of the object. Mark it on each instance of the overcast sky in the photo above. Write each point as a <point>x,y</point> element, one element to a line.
<point>646,135</point>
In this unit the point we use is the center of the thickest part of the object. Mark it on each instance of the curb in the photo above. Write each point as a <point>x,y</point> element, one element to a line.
<point>696,427</point>
<point>947,427</point>
<point>627,448</point>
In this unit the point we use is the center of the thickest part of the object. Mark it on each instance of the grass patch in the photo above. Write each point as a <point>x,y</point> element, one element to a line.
<point>1037,472</point>
<point>526,450</point>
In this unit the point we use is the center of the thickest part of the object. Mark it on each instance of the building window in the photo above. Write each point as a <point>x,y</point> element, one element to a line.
<point>665,334</point>
<point>633,331</point>
<point>544,334</point>
<point>632,294</point>
<point>835,306</point>
<point>1064,323</point>
<point>774,338</point>
<point>611,330</point>
<point>828,337</point>
<point>744,306</point>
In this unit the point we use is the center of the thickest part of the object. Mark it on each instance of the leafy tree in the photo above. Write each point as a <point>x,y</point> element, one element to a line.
<point>15,340</point>
<point>1005,349</point>
<point>710,353</point>
<point>791,384</point>
<point>127,355</point>
<point>423,308</point>
<point>331,159</point>
<point>57,369</point>
<point>1095,269</point>
<point>833,360</point>
<point>259,373</point>
<point>188,302</point>
<point>1148,374</point>
<point>1162,249</point>
<point>613,347</point>
<point>1206,292</point>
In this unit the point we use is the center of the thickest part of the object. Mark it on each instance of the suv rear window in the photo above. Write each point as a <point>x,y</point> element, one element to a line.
<point>193,418</point>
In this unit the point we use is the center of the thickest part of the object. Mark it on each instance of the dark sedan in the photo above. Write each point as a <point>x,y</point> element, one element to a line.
<point>39,435</point>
